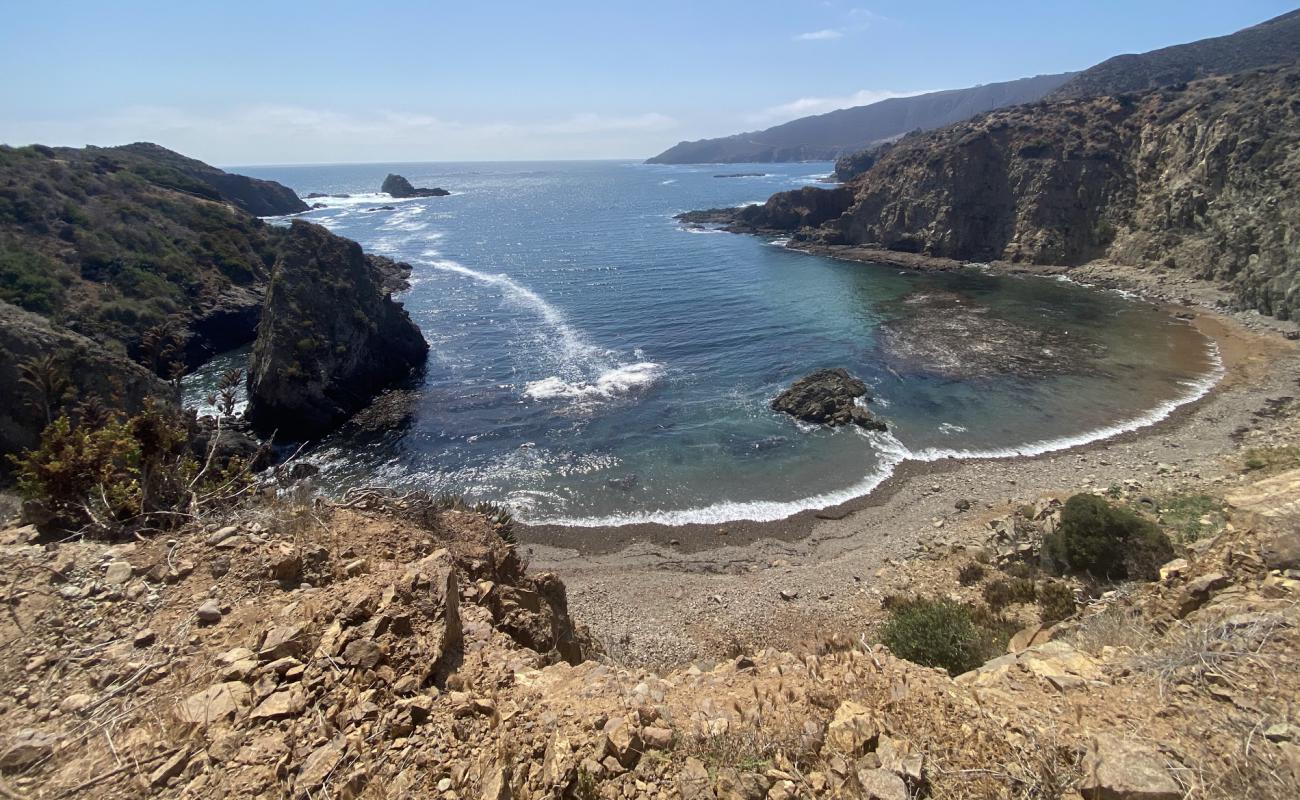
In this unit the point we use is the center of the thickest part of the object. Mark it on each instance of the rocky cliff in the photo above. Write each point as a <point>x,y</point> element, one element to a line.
<point>258,197</point>
<point>1199,180</point>
<point>828,136</point>
<point>1271,43</point>
<point>330,337</point>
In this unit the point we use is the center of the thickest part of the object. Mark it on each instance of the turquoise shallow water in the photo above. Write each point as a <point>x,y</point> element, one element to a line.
<point>594,362</point>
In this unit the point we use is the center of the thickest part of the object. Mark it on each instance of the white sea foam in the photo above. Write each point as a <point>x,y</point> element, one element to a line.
<point>949,428</point>
<point>611,383</point>
<point>696,229</point>
<point>356,200</point>
<point>780,241</point>
<point>667,182</point>
<point>594,373</point>
<point>890,452</point>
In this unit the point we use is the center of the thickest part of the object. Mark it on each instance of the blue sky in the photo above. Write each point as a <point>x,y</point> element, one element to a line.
<point>271,82</point>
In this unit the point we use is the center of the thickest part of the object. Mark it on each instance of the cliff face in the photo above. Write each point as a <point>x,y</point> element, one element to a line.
<point>828,136</point>
<point>1200,180</point>
<point>1271,43</point>
<point>330,337</point>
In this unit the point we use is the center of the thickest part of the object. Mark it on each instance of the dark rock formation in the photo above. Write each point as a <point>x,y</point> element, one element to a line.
<point>397,186</point>
<point>807,207</point>
<point>258,197</point>
<point>330,338</point>
<point>1199,180</point>
<point>826,397</point>
<point>1272,43</point>
<point>82,368</point>
<point>825,137</point>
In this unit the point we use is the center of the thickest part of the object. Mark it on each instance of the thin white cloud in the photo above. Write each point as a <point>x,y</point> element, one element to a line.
<point>823,35</point>
<point>297,134</point>
<point>807,106</point>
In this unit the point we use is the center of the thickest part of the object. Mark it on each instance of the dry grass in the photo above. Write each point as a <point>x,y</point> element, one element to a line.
<point>1208,652</point>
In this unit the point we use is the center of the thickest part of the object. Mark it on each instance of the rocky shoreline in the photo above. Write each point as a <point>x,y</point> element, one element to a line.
<point>726,580</point>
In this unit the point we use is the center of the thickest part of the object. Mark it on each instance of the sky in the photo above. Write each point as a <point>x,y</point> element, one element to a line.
<point>274,82</point>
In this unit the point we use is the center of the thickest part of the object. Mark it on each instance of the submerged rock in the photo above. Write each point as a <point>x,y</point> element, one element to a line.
<point>330,338</point>
<point>397,186</point>
<point>826,397</point>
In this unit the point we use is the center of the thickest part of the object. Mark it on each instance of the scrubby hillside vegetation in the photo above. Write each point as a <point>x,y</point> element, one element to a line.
<point>828,136</point>
<point>1196,179</point>
<point>1270,43</point>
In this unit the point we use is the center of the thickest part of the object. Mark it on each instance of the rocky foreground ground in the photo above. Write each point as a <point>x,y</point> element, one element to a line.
<point>395,646</point>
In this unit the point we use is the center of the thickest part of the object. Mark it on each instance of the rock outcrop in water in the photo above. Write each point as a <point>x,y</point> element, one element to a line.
<point>826,397</point>
<point>330,338</point>
<point>397,186</point>
<point>1198,180</point>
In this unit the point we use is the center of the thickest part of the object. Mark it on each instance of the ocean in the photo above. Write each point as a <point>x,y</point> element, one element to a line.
<point>595,362</point>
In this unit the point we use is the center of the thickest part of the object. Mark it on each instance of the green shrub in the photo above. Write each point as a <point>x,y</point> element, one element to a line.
<point>1182,515</point>
<point>109,474</point>
<point>970,573</point>
<point>28,280</point>
<point>1055,601</point>
<point>1002,592</point>
<point>941,633</point>
<point>1106,542</point>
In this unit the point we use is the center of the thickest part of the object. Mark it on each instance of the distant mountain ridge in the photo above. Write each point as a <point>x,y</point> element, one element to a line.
<point>1275,42</point>
<point>825,137</point>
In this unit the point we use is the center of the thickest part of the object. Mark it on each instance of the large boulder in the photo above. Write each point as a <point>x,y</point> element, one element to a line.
<point>826,397</point>
<point>330,338</point>
<point>397,186</point>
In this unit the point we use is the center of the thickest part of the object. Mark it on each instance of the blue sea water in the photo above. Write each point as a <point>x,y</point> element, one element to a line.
<point>594,362</point>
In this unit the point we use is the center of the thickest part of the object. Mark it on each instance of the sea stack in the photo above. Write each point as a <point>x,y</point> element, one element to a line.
<point>826,397</point>
<point>400,187</point>
<point>330,338</point>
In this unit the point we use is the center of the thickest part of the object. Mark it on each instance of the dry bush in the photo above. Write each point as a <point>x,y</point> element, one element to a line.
<point>1196,653</point>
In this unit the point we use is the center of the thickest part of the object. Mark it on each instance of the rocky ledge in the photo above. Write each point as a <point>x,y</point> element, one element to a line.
<point>827,397</point>
<point>330,338</point>
<point>397,186</point>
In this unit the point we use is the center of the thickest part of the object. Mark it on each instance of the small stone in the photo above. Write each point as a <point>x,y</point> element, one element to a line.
<point>222,534</point>
<point>118,573</point>
<point>74,703</point>
<point>209,613</point>
<point>852,731</point>
<point>363,653</point>
<point>144,637</point>
<point>656,738</point>
<point>26,748</point>
<point>287,703</point>
<point>880,784</point>
<point>789,594</point>
<point>170,768</point>
<point>1120,769</point>
<point>1174,569</point>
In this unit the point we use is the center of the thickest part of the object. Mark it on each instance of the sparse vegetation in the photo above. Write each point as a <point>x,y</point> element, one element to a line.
<point>1272,459</point>
<point>1004,592</point>
<point>1055,601</point>
<point>1192,516</point>
<point>942,633</point>
<point>1106,541</point>
<point>970,573</point>
<point>109,476</point>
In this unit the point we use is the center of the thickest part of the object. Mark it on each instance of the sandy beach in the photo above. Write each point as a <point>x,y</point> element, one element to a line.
<point>662,595</point>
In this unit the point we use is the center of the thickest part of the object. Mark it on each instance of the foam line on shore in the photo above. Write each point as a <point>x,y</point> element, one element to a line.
<point>892,452</point>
